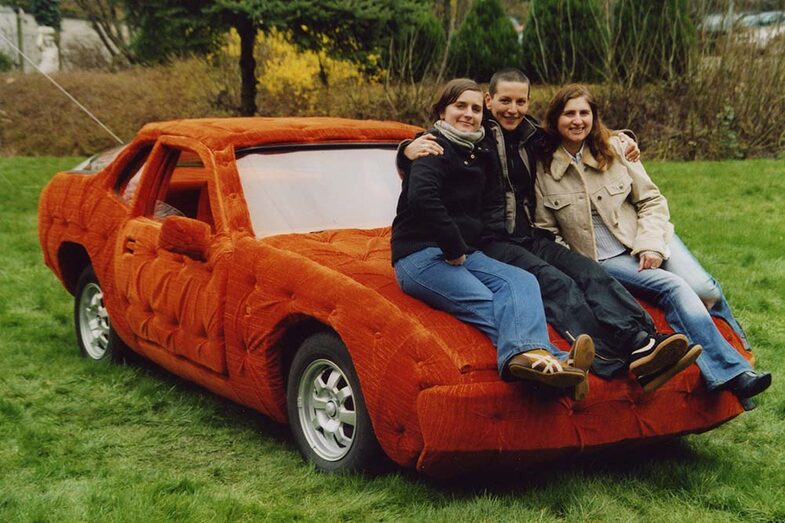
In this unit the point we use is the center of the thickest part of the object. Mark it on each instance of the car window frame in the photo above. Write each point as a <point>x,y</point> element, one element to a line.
<point>157,173</point>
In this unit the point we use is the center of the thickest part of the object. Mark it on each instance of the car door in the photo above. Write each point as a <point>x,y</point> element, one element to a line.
<point>171,258</point>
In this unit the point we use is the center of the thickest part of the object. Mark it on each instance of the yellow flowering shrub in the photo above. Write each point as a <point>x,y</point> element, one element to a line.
<point>284,71</point>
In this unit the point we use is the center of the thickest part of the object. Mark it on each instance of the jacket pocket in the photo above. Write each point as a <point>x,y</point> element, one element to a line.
<point>557,202</point>
<point>619,186</point>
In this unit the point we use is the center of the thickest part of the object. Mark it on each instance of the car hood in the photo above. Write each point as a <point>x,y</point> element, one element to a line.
<point>364,256</point>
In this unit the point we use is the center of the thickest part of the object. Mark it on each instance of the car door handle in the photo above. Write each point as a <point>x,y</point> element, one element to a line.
<point>129,245</point>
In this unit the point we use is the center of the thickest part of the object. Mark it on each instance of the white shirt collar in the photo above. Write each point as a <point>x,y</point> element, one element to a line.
<point>577,157</point>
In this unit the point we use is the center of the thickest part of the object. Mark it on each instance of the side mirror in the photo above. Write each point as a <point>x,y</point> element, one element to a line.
<point>185,236</point>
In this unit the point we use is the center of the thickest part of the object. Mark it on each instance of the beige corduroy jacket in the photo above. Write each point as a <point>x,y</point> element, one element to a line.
<point>627,200</point>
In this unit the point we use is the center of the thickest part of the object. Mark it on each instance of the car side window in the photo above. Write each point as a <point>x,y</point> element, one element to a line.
<point>131,174</point>
<point>185,191</point>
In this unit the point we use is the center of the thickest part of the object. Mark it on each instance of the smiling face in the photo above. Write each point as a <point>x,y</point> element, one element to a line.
<point>465,113</point>
<point>575,123</point>
<point>509,104</point>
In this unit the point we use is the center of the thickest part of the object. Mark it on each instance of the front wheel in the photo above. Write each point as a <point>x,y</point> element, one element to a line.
<point>326,408</point>
<point>94,334</point>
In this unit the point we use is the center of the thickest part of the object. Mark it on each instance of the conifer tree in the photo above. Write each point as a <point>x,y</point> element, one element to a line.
<point>485,42</point>
<point>565,41</point>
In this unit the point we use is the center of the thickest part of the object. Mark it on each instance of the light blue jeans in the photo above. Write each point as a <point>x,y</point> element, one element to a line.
<point>685,311</point>
<point>501,300</point>
<point>684,264</point>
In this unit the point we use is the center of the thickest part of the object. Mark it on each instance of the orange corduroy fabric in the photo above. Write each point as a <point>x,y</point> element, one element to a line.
<point>227,321</point>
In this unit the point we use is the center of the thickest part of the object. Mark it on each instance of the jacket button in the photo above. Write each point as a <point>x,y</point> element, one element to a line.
<point>466,162</point>
<point>471,156</point>
<point>556,202</point>
<point>599,197</point>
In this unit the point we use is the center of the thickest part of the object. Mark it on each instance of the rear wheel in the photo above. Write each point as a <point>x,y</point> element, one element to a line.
<point>326,408</point>
<point>94,334</point>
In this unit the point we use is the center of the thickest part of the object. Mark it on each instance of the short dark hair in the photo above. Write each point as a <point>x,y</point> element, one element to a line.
<point>510,74</point>
<point>450,92</point>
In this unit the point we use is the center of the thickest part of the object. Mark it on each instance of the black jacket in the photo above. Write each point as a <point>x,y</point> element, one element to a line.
<point>516,164</point>
<point>445,201</point>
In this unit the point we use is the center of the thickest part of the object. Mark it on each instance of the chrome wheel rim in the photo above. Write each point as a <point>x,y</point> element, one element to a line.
<point>327,410</point>
<point>93,321</point>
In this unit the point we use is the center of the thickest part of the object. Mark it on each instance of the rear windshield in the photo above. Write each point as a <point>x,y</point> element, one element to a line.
<point>320,189</point>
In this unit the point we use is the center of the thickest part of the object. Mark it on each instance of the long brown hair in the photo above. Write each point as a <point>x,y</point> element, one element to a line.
<point>451,92</point>
<point>598,139</point>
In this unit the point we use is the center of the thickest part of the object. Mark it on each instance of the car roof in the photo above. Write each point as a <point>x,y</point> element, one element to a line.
<point>218,133</point>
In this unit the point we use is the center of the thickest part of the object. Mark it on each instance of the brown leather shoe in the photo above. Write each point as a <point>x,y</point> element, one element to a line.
<point>581,356</point>
<point>541,366</point>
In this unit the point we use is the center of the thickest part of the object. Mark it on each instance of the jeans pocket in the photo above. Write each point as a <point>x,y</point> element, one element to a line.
<point>409,270</point>
<point>425,258</point>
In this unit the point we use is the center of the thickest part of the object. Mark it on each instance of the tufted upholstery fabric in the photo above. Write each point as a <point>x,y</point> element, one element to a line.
<point>473,412</point>
<point>222,319</point>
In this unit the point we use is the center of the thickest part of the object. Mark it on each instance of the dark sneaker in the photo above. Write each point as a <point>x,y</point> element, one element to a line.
<point>652,382</point>
<point>658,352</point>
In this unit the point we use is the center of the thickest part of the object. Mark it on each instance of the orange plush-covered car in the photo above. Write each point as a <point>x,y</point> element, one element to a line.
<point>251,256</point>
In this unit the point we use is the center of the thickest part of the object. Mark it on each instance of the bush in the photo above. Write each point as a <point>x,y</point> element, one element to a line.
<point>565,41</point>
<point>46,12</point>
<point>37,119</point>
<point>485,42</point>
<point>6,62</point>
<point>726,107</point>
<point>652,40</point>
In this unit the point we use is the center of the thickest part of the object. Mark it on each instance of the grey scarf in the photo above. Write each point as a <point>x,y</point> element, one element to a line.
<point>465,139</point>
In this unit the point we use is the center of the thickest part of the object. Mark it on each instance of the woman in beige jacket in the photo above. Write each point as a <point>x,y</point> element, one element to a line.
<point>603,206</point>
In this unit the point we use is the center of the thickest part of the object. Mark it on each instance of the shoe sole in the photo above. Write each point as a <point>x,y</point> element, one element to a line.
<point>655,382</point>
<point>663,355</point>
<point>582,354</point>
<point>560,380</point>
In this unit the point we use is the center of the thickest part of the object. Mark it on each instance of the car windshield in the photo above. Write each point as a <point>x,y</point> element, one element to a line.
<point>98,161</point>
<point>320,189</point>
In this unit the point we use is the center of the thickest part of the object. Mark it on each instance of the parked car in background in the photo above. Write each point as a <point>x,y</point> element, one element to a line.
<point>758,28</point>
<point>251,256</point>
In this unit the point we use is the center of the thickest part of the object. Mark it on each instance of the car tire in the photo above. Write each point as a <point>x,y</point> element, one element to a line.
<point>95,336</point>
<point>327,413</point>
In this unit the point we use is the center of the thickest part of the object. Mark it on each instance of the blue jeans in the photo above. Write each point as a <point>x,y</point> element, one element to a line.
<point>685,311</point>
<point>501,300</point>
<point>684,264</point>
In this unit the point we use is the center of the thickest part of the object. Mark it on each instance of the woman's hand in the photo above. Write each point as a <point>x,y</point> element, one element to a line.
<point>631,151</point>
<point>457,261</point>
<point>649,260</point>
<point>425,145</point>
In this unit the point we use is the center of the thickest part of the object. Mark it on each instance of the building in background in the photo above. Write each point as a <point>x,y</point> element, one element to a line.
<point>80,46</point>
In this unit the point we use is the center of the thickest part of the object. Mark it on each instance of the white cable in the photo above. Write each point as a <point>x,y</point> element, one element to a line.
<point>82,107</point>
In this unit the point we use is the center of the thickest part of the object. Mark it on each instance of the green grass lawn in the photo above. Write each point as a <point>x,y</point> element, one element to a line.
<point>86,442</point>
